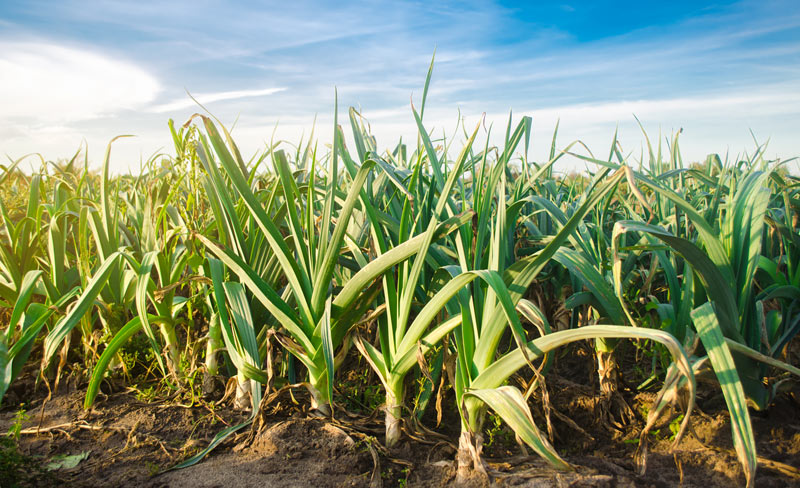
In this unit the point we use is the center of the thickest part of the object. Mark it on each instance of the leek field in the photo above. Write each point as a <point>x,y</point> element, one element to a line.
<point>423,295</point>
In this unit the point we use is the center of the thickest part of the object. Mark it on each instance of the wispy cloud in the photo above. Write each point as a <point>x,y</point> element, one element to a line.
<point>780,100</point>
<point>208,98</point>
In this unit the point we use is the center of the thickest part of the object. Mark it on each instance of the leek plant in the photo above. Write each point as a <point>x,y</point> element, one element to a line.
<point>402,339</point>
<point>26,321</point>
<point>484,322</point>
<point>21,236</point>
<point>313,314</point>
<point>165,253</point>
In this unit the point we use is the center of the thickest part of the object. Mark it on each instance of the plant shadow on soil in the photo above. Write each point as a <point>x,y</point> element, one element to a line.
<point>131,442</point>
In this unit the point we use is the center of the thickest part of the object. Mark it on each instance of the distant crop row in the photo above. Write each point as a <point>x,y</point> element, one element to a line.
<point>430,265</point>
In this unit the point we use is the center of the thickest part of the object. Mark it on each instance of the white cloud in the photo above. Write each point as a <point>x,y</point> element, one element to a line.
<point>206,98</point>
<point>735,105</point>
<point>46,83</point>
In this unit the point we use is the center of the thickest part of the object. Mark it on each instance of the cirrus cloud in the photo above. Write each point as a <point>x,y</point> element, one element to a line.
<point>206,98</point>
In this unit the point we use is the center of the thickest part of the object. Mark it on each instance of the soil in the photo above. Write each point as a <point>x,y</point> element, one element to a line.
<point>132,442</point>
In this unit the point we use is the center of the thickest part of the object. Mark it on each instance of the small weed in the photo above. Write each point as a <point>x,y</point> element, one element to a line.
<point>152,468</point>
<point>496,431</point>
<point>359,393</point>
<point>675,427</point>
<point>401,482</point>
<point>145,394</point>
<point>16,427</point>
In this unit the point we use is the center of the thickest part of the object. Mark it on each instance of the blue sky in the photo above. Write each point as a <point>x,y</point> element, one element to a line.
<point>81,70</point>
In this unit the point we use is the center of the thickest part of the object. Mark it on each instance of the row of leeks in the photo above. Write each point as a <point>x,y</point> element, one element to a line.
<point>442,255</point>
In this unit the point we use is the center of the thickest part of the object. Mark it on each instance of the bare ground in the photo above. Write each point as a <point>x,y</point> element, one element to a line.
<point>132,442</point>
